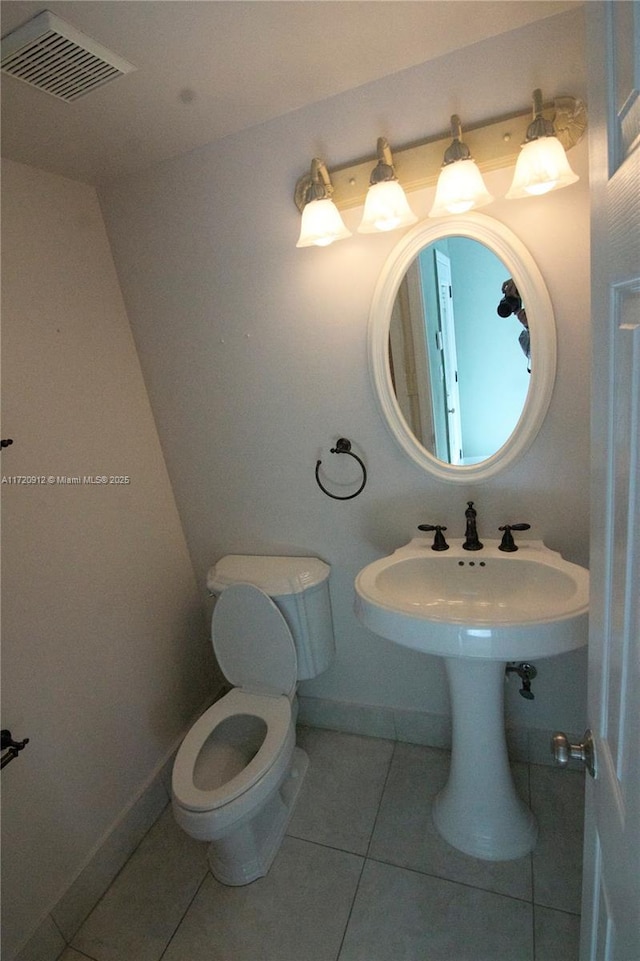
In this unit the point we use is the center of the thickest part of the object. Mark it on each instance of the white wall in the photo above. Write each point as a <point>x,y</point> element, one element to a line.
<point>105,650</point>
<point>254,352</point>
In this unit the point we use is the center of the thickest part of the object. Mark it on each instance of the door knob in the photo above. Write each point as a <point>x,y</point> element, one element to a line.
<point>563,751</point>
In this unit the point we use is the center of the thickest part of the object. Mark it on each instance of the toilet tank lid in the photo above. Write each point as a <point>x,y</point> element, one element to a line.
<point>276,576</point>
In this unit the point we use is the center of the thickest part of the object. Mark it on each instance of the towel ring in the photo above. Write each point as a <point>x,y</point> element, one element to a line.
<point>343,446</point>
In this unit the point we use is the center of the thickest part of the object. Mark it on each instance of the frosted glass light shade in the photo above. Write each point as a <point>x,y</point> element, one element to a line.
<point>386,208</point>
<point>542,166</point>
<point>460,188</point>
<point>321,224</point>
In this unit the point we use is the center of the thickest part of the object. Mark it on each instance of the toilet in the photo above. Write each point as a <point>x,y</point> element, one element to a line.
<point>238,772</point>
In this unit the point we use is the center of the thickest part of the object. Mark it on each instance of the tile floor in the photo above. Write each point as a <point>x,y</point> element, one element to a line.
<point>361,876</point>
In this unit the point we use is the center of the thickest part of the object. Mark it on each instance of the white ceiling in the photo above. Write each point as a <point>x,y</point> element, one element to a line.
<point>209,68</point>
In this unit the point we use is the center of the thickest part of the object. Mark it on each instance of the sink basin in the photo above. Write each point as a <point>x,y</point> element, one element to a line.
<point>478,609</point>
<point>484,604</point>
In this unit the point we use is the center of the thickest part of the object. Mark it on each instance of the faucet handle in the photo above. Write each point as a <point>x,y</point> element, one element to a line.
<point>439,543</point>
<point>508,543</point>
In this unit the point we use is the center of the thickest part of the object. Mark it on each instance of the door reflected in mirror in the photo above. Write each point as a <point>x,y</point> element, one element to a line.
<point>459,366</point>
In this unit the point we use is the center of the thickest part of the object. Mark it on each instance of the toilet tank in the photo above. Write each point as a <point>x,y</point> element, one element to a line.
<point>299,586</point>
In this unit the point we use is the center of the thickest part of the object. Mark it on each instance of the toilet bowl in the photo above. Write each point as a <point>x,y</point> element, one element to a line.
<point>238,771</point>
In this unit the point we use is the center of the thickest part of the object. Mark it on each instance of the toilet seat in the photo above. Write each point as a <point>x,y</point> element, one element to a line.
<point>252,642</point>
<point>274,711</point>
<point>256,652</point>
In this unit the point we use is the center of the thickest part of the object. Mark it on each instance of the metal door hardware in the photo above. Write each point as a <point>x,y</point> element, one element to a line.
<point>563,751</point>
<point>12,747</point>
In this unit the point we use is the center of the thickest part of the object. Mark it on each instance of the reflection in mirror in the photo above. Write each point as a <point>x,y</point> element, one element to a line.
<point>459,350</point>
<point>501,405</point>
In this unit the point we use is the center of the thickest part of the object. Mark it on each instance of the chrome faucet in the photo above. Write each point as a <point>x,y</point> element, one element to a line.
<point>471,542</point>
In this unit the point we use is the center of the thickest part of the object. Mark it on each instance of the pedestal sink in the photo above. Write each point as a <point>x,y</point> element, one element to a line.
<point>478,610</point>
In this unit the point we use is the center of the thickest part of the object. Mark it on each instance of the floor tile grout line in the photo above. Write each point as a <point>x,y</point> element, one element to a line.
<point>353,903</point>
<point>429,874</point>
<point>113,879</point>
<point>186,911</point>
<point>330,847</point>
<point>81,954</point>
<point>335,847</point>
<point>57,927</point>
<point>104,894</point>
<point>533,932</point>
<point>531,871</point>
<point>382,792</point>
<point>551,907</point>
<point>367,855</point>
<point>463,884</point>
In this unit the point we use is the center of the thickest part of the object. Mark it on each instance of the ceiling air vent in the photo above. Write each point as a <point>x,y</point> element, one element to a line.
<point>53,56</point>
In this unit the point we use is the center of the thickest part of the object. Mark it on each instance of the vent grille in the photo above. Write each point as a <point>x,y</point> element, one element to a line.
<point>53,56</point>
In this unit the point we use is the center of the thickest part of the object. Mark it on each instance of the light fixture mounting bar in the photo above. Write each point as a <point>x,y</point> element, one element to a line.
<point>493,144</point>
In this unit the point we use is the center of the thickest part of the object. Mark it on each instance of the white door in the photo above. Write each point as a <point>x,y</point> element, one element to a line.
<point>611,888</point>
<point>450,356</point>
<point>418,355</point>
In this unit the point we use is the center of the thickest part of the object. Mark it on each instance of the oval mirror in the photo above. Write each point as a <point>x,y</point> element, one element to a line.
<point>462,347</point>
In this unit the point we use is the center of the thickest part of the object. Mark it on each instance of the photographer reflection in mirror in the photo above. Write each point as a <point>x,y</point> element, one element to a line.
<point>511,303</point>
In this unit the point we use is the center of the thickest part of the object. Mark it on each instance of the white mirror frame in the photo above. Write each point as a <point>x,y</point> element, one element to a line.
<point>520,265</point>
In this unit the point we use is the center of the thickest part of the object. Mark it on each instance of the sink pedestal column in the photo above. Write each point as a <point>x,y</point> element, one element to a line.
<point>478,810</point>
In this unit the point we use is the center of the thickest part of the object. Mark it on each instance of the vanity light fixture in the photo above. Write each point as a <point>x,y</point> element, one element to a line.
<point>386,206</point>
<point>321,221</point>
<point>542,164</point>
<point>494,144</point>
<point>460,185</point>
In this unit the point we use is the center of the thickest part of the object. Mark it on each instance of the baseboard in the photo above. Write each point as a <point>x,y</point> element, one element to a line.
<point>530,745</point>
<point>108,857</point>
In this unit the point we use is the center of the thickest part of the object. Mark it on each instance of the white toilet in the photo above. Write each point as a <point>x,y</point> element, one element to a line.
<point>238,772</point>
